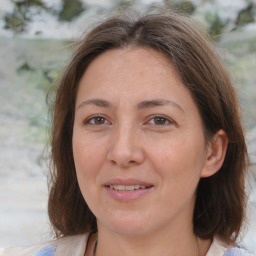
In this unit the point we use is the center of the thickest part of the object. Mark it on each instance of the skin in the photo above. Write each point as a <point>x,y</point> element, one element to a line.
<point>162,144</point>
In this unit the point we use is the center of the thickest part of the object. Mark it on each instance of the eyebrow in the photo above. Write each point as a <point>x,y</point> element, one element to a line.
<point>142,105</point>
<point>97,102</point>
<point>158,102</point>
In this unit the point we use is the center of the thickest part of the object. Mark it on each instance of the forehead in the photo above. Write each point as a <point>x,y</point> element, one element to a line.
<point>134,67</point>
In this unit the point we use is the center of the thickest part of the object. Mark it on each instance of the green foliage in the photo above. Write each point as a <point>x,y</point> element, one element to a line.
<point>43,78</point>
<point>216,25</point>
<point>124,3</point>
<point>184,6</point>
<point>25,10</point>
<point>18,20</point>
<point>70,9</point>
<point>24,67</point>
<point>246,16</point>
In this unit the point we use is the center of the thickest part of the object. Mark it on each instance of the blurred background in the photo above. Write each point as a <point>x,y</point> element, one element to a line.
<point>36,38</point>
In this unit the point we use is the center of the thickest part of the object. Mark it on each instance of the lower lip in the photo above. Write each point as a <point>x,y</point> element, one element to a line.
<point>127,195</point>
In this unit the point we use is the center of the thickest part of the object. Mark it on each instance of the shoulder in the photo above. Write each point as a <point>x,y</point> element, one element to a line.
<point>42,250</point>
<point>219,248</point>
<point>72,245</point>
<point>236,251</point>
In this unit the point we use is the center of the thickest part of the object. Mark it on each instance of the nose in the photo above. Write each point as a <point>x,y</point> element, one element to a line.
<point>126,147</point>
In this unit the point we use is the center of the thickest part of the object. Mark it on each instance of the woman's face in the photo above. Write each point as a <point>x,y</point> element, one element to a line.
<point>138,143</point>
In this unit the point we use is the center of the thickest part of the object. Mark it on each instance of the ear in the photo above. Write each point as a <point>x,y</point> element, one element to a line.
<point>216,151</point>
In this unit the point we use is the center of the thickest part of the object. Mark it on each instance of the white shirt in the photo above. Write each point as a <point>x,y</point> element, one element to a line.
<point>75,246</point>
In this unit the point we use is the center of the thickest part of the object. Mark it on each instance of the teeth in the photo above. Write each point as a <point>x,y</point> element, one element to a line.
<point>127,188</point>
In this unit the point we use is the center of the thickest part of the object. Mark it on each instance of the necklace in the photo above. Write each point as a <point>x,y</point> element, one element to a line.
<point>198,249</point>
<point>96,243</point>
<point>95,247</point>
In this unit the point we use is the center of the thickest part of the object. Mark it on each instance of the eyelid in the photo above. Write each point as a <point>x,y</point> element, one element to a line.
<point>171,122</point>
<point>88,119</point>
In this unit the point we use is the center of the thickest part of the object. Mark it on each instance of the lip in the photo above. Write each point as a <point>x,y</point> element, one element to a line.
<point>126,196</point>
<point>127,182</point>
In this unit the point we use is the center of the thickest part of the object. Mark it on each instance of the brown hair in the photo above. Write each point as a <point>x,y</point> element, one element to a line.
<point>221,200</point>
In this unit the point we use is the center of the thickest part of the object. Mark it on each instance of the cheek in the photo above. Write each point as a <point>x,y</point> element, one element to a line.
<point>87,150</point>
<point>180,161</point>
<point>87,161</point>
<point>86,165</point>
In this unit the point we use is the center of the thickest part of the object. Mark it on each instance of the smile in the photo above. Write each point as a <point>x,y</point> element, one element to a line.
<point>127,188</point>
<point>125,193</point>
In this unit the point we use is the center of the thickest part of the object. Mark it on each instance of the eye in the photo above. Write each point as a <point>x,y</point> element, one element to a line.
<point>160,121</point>
<point>96,120</point>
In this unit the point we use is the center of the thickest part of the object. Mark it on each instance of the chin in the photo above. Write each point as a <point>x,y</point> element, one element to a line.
<point>128,226</point>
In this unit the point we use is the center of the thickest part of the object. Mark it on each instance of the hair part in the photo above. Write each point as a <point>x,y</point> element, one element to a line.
<point>221,199</point>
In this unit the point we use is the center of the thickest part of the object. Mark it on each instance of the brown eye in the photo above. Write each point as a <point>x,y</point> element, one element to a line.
<point>96,120</point>
<point>159,120</point>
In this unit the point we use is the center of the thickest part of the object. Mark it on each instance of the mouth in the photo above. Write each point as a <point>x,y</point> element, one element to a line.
<point>128,187</point>
<point>127,190</point>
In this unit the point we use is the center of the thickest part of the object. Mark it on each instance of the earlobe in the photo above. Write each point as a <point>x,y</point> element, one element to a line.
<point>216,152</point>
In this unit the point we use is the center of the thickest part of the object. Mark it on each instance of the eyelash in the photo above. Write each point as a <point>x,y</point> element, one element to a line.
<point>87,121</point>
<point>167,121</point>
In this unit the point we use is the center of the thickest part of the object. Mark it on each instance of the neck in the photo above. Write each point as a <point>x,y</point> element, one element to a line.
<point>157,244</point>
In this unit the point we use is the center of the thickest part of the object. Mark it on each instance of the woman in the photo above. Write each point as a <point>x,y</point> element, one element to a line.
<point>148,150</point>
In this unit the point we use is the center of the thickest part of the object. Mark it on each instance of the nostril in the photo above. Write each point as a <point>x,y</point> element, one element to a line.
<point>125,155</point>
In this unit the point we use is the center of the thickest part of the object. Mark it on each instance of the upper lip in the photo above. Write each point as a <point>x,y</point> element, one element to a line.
<point>127,182</point>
